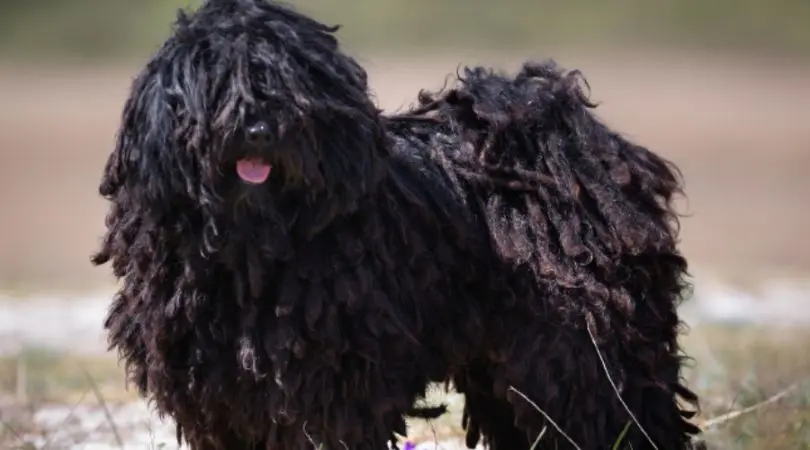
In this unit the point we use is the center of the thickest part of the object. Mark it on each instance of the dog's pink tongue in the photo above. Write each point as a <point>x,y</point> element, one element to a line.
<point>253,171</point>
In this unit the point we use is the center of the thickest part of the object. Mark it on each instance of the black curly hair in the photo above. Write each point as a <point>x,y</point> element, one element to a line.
<point>496,236</point>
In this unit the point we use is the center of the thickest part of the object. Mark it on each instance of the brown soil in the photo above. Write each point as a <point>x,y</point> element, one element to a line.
<point>739,131</point>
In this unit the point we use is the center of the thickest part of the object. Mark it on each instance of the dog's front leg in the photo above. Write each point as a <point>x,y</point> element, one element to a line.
<point>345,401</point>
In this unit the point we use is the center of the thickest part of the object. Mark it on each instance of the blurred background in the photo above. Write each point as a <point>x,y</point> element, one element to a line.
<point>720,87</point>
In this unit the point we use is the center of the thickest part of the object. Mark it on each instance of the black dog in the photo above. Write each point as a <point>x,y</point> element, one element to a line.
<point>297,267</point>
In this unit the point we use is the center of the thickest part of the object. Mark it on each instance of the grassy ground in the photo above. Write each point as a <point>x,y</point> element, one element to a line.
<point>736,368</point>
<point>102,29</point>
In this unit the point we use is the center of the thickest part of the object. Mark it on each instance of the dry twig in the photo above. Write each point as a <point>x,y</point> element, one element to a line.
<point>548,418</point>
<point>719,420</point>
<point>616,389</point>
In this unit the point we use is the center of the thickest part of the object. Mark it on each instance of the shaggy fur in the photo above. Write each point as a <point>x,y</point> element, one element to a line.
<point>480,238</point>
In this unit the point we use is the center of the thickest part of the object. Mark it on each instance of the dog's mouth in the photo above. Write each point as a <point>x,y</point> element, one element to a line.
<point>253,170</point>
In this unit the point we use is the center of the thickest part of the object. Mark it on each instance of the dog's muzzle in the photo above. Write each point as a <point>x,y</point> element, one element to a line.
<point>254,170</point>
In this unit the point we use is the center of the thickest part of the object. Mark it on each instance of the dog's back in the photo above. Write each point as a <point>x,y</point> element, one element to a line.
<point>590,215</point>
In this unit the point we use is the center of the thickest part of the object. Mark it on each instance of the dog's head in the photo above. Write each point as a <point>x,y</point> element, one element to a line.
<point>248,108</point>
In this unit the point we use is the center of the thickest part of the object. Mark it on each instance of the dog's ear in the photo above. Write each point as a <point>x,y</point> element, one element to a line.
<point>118,164</point>
<point>149,176</point>
<point>147,161</point>
<point>114,173</point>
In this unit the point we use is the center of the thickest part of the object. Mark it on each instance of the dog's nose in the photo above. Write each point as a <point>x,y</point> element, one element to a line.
<point>258,134</point>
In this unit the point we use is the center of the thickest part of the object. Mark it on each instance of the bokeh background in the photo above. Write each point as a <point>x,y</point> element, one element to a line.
<point>721,87</point>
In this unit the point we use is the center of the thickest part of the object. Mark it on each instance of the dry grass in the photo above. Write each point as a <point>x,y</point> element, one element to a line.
<point>54,377</point>
<point>736,368</point>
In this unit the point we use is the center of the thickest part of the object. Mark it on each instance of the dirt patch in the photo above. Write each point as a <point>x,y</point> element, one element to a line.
<point>739,131</point>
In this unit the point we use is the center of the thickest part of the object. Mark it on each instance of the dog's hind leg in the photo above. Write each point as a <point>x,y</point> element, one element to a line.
<point>581,396</point>
<point>487,416</point>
